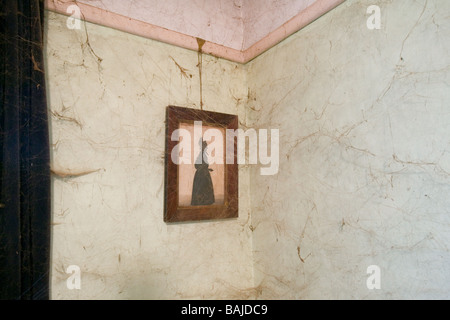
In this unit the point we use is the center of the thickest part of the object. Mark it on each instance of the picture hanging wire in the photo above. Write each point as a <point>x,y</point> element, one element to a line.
<point>200,43</point>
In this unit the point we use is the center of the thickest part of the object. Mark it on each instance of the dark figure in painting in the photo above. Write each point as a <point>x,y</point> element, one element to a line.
<point>202,190</point>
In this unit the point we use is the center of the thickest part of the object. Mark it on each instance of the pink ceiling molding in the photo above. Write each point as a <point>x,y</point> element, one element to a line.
<point>120,22</point>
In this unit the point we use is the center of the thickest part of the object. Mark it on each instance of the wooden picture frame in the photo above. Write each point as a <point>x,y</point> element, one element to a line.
<point>200,189</point>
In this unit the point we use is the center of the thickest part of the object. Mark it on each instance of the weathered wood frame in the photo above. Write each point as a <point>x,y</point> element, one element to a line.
<point>172,211</point>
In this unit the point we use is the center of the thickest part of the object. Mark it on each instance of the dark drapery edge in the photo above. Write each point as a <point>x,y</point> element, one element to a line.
<point>25,157</point>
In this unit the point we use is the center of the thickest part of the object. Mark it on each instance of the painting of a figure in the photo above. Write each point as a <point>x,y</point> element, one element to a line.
<point>202,189</point>
<point>201,180</point>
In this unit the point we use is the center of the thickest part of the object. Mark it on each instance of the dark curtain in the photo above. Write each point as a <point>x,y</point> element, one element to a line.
<point>24,154</point>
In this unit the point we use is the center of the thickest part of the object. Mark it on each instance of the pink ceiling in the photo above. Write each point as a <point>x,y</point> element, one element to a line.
<point>264,16</point>
<point>237,30</point>
<point>217,21</point>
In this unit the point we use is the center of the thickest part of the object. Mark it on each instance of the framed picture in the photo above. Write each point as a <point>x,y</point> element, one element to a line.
<point>201,171</point>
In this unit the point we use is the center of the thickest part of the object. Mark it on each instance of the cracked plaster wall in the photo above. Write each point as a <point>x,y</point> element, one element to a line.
<point>364,170</point>
<point>364,178</point>
<point>107,93</point>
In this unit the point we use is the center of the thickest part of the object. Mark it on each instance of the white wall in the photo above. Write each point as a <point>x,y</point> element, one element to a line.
<point>108,135</point>
<point>364,174</point>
